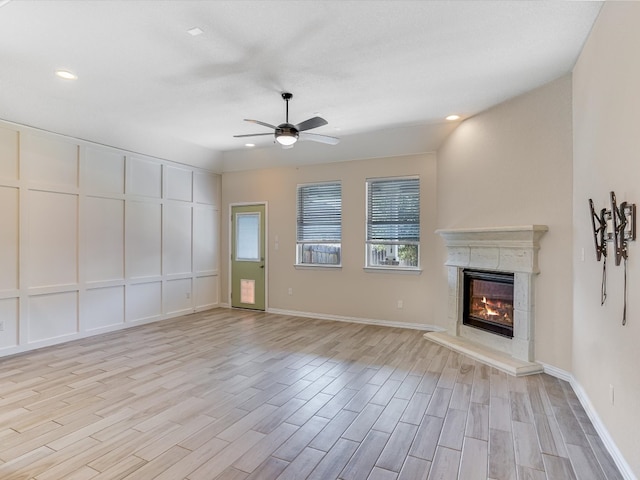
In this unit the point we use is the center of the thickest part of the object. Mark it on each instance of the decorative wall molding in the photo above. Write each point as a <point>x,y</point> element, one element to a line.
<point>96,239</point>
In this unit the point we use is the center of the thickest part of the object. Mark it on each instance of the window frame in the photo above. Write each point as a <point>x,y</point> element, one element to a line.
<point>394,243</point>
<point>301,241</point>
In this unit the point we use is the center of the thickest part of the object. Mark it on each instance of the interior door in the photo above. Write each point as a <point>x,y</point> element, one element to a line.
<point>247,256</point>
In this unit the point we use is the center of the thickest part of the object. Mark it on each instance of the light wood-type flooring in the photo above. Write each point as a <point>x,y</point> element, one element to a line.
<point>241,395</point>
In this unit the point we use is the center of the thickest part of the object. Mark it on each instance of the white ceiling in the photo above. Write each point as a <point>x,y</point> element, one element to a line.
<point>368,67</point>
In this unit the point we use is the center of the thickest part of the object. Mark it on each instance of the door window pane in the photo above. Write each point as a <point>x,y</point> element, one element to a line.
<point>248,237</point>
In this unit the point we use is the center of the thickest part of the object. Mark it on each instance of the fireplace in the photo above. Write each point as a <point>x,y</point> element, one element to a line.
<point>488,301</point>
<point>510,256</point>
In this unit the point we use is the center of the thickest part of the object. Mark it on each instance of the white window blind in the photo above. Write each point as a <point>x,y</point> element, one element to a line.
<point>319,223</point>
<point>393,222</point>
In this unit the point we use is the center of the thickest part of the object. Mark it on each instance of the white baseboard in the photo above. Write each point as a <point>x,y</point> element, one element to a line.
<point>367,321</point>
<point>609,444</point>
<point>557,372</point>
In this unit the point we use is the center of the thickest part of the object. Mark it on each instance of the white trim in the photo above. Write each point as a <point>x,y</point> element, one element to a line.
<point>315,266</point>
<point>400,270</point>
<point>557,372</point>
<point>367,321</point>
<point>607,440</point>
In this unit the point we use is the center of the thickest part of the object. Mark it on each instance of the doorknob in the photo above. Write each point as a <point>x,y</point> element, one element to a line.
<point>261,266</point>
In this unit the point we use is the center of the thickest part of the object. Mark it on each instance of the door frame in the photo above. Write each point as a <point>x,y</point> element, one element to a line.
<point>266,249</point>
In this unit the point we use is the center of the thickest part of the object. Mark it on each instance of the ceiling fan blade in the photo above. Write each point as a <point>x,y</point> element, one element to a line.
<point>252,135</point>
<point>261,123</point>
<point>314,137</point>
<point>314,122</point>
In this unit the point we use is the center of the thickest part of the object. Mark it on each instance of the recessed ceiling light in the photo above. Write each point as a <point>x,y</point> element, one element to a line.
<point>195,31</point>
<point>249,144</point>
<point>453,117</point>
<point>66,74</point>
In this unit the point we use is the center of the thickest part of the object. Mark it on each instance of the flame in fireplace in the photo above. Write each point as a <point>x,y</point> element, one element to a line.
<point>488,309</point>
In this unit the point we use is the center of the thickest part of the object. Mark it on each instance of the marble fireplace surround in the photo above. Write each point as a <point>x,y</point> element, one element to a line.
<point>502,249</point>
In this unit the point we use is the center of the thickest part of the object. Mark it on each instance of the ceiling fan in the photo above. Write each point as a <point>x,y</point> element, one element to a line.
<point>287,134</point>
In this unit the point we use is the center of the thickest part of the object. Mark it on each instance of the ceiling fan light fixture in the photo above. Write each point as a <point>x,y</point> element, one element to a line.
<point>286,134</point>
<point>286,139</point>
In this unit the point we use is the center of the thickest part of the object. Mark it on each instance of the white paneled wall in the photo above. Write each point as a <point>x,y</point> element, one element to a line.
<point>94,239</point>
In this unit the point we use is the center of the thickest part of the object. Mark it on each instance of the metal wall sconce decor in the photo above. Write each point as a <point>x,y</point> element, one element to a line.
<point>616,225</point>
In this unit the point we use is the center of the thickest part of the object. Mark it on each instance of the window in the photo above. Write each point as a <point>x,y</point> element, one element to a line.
<point>319,224</point>
<point>393,222</point>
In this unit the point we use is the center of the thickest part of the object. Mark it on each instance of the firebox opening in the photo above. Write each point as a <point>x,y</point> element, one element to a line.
<point>488,301</point>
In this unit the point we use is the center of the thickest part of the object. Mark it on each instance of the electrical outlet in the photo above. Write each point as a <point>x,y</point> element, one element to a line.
<point>290,291</point>
<point>188,295</point>
<point>400,304</point>
<point>1,325</point>
<point>611,394</point>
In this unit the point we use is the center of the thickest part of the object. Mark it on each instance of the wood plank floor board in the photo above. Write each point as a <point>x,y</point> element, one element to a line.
<point>265,447</point>
<point>334,430</point>
<point>414,469</point>
<point>391,415</point>
<point>604,458</point>
<point>397,448</point>
<point>334,461</point>
<point>549,436</point>
<point>558,468</point>
<point>526,473</point>
<point>426,439</point>
<point>416,408</point>
<point>452,434</point>
<point>238,395</point>
<point>270,469</point>
<point>478,422</point>
<point>302,465</point>
<point>121,469</point>
<point>585,463</point>
<point>439,403</point>
<point>461,396</point>
<point>446,464</point>
<point>363,460</point>
<point>526,446</point>
<point>282,413</point>
<point>473,464</point>
<point>363,423</point>
<point>362,398</point>
<point>500,414</point>
<point>408,387</point>
<point>291,448</point>
<point>502,461</point>
<point>337,403</point>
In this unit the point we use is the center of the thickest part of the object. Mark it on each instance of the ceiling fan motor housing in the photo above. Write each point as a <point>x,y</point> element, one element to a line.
<point>286,134</point>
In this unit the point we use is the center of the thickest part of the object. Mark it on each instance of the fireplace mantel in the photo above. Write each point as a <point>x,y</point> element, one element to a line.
<point>502,249</point>
<point>509,249</point>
